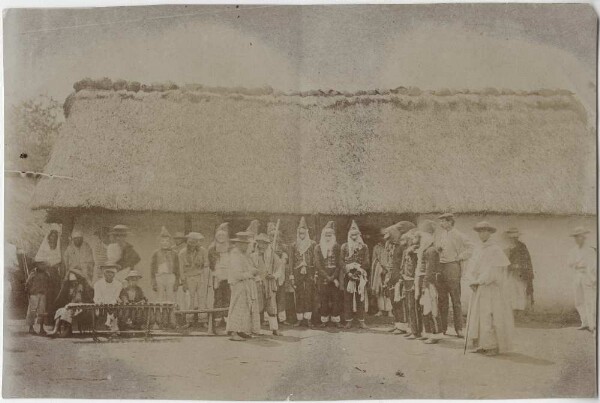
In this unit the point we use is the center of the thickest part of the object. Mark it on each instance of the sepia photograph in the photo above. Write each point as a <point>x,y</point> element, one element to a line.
<point>300,202</point>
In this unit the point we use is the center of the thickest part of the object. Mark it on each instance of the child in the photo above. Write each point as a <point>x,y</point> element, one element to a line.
<point>37,287</point>
<point>132,294</point>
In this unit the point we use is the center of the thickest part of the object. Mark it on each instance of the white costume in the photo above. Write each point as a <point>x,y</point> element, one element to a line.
<point>491,318</point>
<point>583,262</point>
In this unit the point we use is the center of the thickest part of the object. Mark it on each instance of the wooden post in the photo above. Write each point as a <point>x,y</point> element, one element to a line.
<point>187,223</point>
<point>68,222</point>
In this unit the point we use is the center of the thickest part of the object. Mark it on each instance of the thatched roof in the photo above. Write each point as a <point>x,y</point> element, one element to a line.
<point>199,149</point>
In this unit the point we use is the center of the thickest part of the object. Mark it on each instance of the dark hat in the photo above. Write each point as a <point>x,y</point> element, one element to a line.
<point>262,238</point>
<point>195,236</point>
<point>109,266</point>
<point>243,236</point>
<point>119,229</point>
<point>579,231</point>
<point>484,226</point>
<point>445,216</point>
<point>512,232</point>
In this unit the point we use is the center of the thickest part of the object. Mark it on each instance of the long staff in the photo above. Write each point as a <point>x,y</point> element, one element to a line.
<point>468,322</point>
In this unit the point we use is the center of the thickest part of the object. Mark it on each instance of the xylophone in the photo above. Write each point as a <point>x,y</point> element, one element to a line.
<point>150,314</point>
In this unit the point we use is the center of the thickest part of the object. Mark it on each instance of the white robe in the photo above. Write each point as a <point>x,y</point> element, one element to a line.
<point>583,262</point>
<point>490,318</point>
<point>107,293</point>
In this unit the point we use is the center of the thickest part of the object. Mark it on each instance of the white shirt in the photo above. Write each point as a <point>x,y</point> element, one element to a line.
<point>583,260</point>
<point>107,293</point>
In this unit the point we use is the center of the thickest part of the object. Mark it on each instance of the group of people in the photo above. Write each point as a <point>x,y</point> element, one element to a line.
<point>414,274</point>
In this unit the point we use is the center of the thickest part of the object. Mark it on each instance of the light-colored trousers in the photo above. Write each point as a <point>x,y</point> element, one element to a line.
<point>36,309</point>
<point>165,283</point>
<point>585,299</point>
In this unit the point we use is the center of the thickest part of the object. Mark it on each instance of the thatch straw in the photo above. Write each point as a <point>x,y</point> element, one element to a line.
<point>200,149</point>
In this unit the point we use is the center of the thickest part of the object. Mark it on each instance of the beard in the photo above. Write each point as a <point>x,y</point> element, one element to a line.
<point>327,245</point>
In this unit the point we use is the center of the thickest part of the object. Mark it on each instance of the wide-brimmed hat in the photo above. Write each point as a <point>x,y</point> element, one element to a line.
<point>195,236</point>
<point>119,229</point>
<point>512,232</point>
<point>445,216</point>
<point>179,235</point>
<point>484,226</point>
<point>110,266</point>
<point>133,273</point>
<point>579,231</point>
<point>262,238</point>
<point>243,236</point>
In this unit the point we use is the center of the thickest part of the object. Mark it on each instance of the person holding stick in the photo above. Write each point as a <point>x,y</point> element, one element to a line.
<point>490,319</point>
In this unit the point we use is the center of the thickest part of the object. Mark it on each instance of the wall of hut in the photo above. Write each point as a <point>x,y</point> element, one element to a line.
<point>546,236</point>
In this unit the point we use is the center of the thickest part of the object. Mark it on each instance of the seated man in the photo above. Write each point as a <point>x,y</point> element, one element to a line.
<point>75,290</point>
<point>132,294</point>
<point>107,291</point>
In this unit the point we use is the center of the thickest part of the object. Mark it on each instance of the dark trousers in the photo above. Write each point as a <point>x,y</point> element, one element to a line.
<point>415,311</point>
<point>222,297</point>
<point>449,288</point>
<point>399,311</point>
<point>305,295</point>
<point>349,313</point>
<point>330,298</point>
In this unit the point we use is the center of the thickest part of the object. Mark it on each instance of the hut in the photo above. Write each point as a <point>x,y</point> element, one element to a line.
<point>192,157</point>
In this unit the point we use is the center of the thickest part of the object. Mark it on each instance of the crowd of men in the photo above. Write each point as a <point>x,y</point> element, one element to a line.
<point>413,274</point>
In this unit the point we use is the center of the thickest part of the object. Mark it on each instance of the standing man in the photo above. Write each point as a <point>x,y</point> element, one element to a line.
<point>410,274</point>
<point>126,255</point>
<point>455,248</point>
<point>219,265</point>
<point>379,269</point>
<point>79,256</point>
<point>491,323</point>
<point>49,256</point>
<point>354,258</point>
<point>327,258</point>
<point>285,291</point>
<point>303,276</point>
<point>193,269</point>
<point>269,267</point>
<point>393,284</point>
<point>179,241</point>
<point>519,280</point>
<point>243,315</point>
<point>582,260</point>
<point>164,269</point>
<point>430,270</point>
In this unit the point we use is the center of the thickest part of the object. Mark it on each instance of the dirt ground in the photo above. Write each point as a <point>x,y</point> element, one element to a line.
<point>302,365</point>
